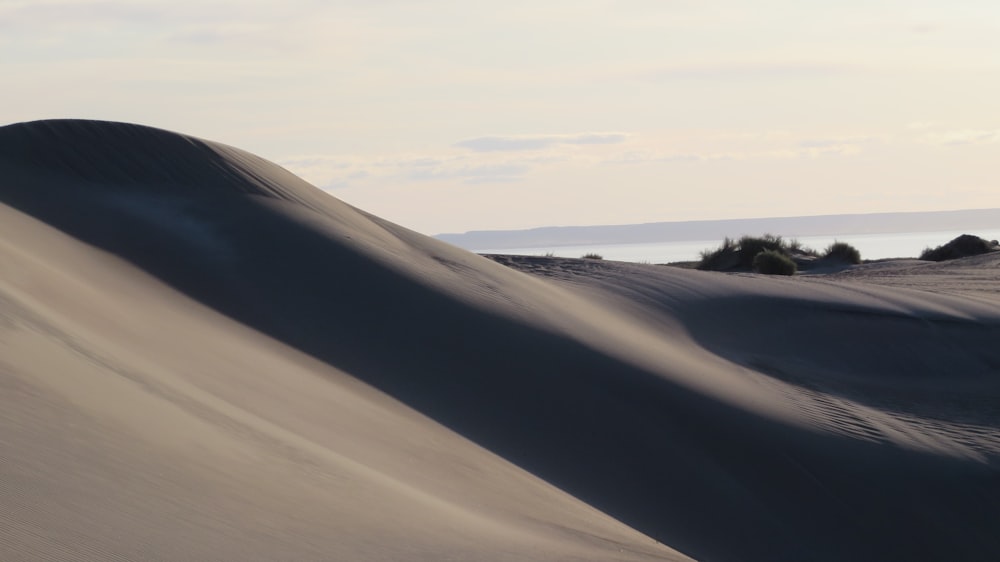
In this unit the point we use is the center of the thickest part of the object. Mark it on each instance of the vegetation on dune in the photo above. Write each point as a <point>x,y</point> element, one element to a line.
<point>741,255</point>
<point>725,257</point>
<point>751,246</point>
<point>593,256</point>
<point>963,246</point>
<point>794,245</point>
<point>735,255</point>
<point>843,251</point>
<point>774,262</point>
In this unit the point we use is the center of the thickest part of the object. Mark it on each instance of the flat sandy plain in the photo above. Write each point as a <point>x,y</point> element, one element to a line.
<point>203,357</point>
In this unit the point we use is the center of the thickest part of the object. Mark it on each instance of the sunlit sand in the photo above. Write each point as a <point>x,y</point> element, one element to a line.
<point>203,357</point>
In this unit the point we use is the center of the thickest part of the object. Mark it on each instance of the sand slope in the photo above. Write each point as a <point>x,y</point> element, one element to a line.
<point>198,344</point>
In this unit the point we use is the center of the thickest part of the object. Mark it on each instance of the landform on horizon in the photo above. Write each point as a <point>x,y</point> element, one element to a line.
<point>682,231</point>
<point>204,357</point>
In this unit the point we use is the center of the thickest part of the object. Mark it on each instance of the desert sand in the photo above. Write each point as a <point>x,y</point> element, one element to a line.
<point>203,357</point>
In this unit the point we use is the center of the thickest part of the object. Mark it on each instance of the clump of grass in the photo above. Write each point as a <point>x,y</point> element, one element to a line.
<point>963,246</point>
<point>774,262</point>
<point>721,259</point>
<point>593,256</point>
<point>740,254</point>
<point>842,251</point>
<point>750,246</point>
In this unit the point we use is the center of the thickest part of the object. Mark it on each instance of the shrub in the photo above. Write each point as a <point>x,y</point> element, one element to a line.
<point>593,256</point>
<point>723,258</point>
<point>740,254</point>
<point>773,262</point>
<point>750,246</point>
<point>843,251</point>
<point>964,245</point>
<point>794,245</point>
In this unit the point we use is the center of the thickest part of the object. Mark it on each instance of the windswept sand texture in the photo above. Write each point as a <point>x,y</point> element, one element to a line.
<point>202,357</point>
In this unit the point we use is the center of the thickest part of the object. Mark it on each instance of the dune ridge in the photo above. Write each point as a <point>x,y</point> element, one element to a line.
<point>728,417</point>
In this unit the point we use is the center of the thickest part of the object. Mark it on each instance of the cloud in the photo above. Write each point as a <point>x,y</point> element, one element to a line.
<point>963,136</point>
<point>820,143</point>
<point>507,159</point>
<point>80,13</point>
<point>412,162</point>
<point>474,173</point>
<point>345,171</point>
<point>836,146</point>
<point>747,71</point>
<point>787,150</point>
<point>210,35</point>
<point>595,138</point>
<point>305,162</point>
<point>645,156</point>
<point>925,27</point>
<point>537,142</point>
<point>838,149</point>
<point>327,172</point>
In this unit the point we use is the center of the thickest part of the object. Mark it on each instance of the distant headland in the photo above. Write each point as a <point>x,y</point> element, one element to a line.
<point>874,223</point>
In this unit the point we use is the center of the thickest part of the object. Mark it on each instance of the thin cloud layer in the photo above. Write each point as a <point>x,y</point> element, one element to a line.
<point>537,142</point>
<point>694,96</point>
<point>340,172</point>
<point>497,161</point>
<point>750,71</point>
<point>963,136</point>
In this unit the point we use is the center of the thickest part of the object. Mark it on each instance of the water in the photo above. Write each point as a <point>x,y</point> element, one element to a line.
<point>871,246</point>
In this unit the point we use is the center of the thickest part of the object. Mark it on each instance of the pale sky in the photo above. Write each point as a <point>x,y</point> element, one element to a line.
<point>447,116</point>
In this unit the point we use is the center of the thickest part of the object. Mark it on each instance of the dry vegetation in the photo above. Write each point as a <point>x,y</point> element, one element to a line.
<point>962,246</point>
<point>772,254</point>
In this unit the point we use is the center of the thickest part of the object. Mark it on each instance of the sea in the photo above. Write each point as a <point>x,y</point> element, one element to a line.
<point>871,246</point>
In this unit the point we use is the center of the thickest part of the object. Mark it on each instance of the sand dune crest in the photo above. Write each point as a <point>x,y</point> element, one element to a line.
<point>200,345</point>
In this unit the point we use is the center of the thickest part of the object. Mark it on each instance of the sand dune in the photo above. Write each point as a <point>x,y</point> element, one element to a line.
<point>204,357</point>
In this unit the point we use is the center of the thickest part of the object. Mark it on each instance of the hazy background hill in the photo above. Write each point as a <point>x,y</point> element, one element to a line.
<point>876,223</point>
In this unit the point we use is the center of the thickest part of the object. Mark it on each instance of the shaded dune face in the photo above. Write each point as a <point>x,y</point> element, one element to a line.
<point>118,157</point>
<point>651,415</point>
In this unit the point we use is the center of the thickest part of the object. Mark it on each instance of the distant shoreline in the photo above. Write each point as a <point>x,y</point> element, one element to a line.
<point>872,246</point>
<point>689,231</point>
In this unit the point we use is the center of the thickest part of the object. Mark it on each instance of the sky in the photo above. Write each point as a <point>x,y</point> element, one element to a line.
<point>449,116</point>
